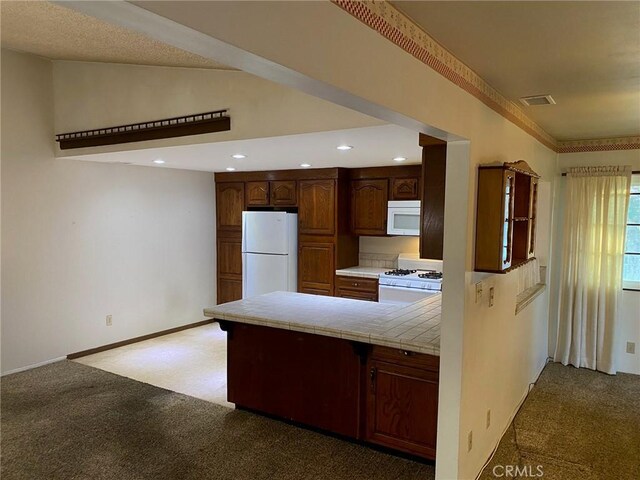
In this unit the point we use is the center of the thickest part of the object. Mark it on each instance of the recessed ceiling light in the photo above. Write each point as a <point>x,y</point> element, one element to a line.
<point>239,156</point>
<point>344,147</point>
<point>231,169</point>
<point>400,159</point>
<point>305,165</point>
<point>159,161</point>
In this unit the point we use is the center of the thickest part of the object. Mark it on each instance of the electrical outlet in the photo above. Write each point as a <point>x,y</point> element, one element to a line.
<point>488,418</point>
<point>491,297</point>
<point>478,291</point>
<point>631,347</point>
<point>470,441</point>
<point>109,320</point>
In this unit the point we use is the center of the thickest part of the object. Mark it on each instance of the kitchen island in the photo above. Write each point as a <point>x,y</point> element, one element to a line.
<point>363,370</point>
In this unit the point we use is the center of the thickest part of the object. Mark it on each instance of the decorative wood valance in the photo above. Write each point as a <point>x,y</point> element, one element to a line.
<point>195,124</point>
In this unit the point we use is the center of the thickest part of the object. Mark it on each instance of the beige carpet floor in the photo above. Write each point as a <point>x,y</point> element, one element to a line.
<point>576,424</point>
<point>71,421</point>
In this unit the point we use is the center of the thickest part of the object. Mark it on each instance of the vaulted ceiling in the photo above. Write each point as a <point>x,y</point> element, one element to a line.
<point>585,54</point>
<point>59,33</point>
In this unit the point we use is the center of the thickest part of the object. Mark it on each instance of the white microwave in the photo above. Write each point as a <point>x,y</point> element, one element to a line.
<point>403,217</point>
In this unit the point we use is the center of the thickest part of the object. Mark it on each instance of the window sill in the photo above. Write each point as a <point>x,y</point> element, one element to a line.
<point>528,296</point>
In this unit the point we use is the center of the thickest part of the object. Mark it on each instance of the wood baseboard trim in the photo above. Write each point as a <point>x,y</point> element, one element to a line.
<point>142,338</point>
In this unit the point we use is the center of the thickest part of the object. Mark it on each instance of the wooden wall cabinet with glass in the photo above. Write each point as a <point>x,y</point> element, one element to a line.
<point>506,216</point>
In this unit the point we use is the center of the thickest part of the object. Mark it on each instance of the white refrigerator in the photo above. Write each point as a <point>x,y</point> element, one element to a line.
<point>269,252</point>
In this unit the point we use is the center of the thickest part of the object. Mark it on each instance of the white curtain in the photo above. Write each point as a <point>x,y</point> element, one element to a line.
<point>596,203</point>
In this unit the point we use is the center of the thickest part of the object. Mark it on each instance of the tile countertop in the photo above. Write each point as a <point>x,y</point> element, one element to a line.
<point>414,327</point>
<point>362,272</point>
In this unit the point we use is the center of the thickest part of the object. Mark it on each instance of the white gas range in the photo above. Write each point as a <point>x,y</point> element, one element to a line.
<point>413,280</point>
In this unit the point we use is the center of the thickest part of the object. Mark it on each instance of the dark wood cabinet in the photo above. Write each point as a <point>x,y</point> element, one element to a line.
<point>229,290</point>
<point>357,288</point>
<point>404,189</point>
<point>275,193</point>
<point>302,377</point>
<point>316,268</point>
<point>369,206</point>
<point>229,206</point>
<point>382,395</point>
<point>434,170</point>
<point>257,193</point>
<point>229,261</point>
<point>317,207</point>
<point>402,401</point>
<point>505,217</point>
<point>283,192</point>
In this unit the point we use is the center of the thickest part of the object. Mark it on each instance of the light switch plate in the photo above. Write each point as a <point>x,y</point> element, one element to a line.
<point>491,296</point>
<point>631,347</point>
<point>478,291</point>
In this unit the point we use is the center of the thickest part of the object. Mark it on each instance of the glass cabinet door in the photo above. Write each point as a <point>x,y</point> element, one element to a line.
<point>507,233</point>
<point>533,215</point>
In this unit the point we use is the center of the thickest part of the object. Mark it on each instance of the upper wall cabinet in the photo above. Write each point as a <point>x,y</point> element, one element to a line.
<point>506,216</point>
<point>229,206</point>
<point>316,207</point>
<point>404,189</point>
<point>283,192</point>
<point>257,193</point>
<point>369,206</point>
<point>274,193</point>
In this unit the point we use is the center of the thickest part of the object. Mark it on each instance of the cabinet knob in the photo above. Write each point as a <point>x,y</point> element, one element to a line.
<point>355,284</point>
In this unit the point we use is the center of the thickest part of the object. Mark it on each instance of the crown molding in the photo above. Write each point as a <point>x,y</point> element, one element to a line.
<point>395,26</point>
<point>599,145</point>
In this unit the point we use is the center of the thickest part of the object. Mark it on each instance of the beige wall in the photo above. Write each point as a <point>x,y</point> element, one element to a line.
<point>389,244</point>
<point>83,240</point>
<point>489,356</point>
<point>629,306</point>
<point>93,95</point>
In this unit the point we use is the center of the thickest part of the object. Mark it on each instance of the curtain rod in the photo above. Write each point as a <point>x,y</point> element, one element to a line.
<point>633,172</point>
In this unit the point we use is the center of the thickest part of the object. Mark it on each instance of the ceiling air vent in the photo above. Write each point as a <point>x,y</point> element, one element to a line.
<point>535,100</point>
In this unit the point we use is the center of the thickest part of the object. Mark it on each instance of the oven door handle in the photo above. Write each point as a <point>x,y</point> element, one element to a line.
<point>407,289</point>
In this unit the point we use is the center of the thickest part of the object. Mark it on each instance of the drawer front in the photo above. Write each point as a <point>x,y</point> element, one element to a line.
<point>406,358</point>
<point>368,285</point>
<point>357,295</point>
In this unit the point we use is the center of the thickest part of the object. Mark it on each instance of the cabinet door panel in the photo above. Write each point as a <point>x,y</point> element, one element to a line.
<point>316,207</point>
<point>293,375</point>
<point>369,207</point>
<point>316,268</point>
<point>257,193</point>
<point>229,206</point>
<point>405,188</point>
<point>283,192</point>
<point>230,257</point>
<point>229,290</point>
<point>402,408</point>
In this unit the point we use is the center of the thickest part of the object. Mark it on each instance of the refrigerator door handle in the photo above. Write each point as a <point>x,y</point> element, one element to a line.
<point>244,233</point>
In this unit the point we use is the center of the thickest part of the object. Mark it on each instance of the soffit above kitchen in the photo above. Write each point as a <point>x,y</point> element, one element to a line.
<point>585,54</point>
<point>371,147</point>
<point>58,33</point>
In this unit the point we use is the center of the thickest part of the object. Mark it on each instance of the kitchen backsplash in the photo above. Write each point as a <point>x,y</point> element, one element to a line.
<point>379,260</point>
<point>390,245</point>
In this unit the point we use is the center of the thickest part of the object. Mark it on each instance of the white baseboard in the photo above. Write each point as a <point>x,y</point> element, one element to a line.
<point>35,365</point>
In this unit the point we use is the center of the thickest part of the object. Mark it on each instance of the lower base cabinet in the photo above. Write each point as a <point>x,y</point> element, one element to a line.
<point>381,395</point>
<point>402,402</point>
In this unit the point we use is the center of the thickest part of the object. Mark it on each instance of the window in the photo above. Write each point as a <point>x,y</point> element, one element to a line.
<point>631,269</point>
